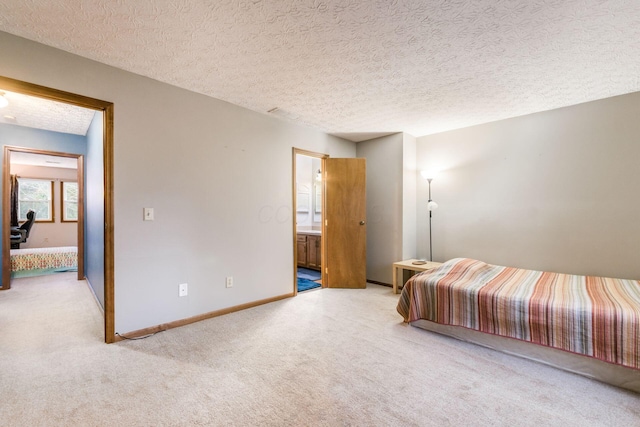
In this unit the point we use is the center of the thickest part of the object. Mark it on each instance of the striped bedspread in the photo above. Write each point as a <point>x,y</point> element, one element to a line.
<point>593,316</point>
<point>44,258</point>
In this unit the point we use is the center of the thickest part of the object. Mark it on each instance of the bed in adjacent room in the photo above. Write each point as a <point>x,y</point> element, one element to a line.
<point>587,325</point>
<point>43,260</point>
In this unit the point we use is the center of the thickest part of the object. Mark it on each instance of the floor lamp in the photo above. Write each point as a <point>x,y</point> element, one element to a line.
<point>431,206</point>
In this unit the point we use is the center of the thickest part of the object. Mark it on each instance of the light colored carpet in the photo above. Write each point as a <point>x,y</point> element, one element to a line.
<point>325,358</point>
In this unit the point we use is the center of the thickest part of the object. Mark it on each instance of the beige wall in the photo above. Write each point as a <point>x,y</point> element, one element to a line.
<point>391,202</point>
<point>384,158</point>
<point>409,196</point>
<point>50,234</point>
<point>557,190</point>
<point>218,176</point>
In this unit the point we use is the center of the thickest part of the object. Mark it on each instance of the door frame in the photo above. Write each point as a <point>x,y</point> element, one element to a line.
<point>323,245</point>
<point>6,205</point>
<point>107,108</point>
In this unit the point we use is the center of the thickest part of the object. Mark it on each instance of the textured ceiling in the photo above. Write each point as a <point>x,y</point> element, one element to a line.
<point>353,67</point>
<point>40,113</point>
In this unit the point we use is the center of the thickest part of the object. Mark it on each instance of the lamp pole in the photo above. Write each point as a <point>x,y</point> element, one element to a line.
<point>429,207</point>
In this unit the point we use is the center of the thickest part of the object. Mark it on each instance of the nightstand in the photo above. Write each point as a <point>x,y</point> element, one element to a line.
<point>400,266</point>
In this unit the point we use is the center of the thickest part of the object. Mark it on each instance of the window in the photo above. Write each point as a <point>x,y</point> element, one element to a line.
<point>69,201</point>
<point>36,194</point>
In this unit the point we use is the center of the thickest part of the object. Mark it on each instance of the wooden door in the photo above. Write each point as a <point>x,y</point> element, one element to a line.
<point>345,223</point>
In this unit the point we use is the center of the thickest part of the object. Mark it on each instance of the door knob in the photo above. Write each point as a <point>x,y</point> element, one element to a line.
<point>361,222</point>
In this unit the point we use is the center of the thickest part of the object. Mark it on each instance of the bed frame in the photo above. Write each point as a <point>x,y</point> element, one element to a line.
<point>619,376</point>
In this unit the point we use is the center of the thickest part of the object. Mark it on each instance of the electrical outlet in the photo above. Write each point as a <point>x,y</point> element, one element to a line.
<point>229,282</point>
<point>183,290</point>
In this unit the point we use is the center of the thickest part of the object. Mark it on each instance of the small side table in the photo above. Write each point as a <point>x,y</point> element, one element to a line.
<point>400,266</point>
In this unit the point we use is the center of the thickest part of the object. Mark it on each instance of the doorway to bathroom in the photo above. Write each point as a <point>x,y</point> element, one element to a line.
<point>308,219</point>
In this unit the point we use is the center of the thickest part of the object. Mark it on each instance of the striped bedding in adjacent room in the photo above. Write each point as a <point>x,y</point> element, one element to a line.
<point>44,258</point>
<point>593,316</point>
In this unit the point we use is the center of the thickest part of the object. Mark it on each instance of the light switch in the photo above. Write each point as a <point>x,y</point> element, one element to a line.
<point>148,214</point>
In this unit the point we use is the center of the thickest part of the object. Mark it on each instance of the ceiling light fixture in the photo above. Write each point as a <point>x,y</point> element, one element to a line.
<point>3,101</point>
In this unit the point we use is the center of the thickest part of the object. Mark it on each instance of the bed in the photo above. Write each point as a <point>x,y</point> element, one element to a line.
<point>583,324</point>
<point>44,258</point>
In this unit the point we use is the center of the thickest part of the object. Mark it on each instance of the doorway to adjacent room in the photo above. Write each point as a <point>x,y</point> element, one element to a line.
<point>308,202</point>
<point>104,110</point>
<point>329,226</point>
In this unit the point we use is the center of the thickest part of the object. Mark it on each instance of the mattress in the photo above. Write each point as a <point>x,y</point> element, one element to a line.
<point>595,369</point>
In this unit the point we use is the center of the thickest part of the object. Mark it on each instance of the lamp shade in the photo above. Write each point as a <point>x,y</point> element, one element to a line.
<point>428,174</point>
